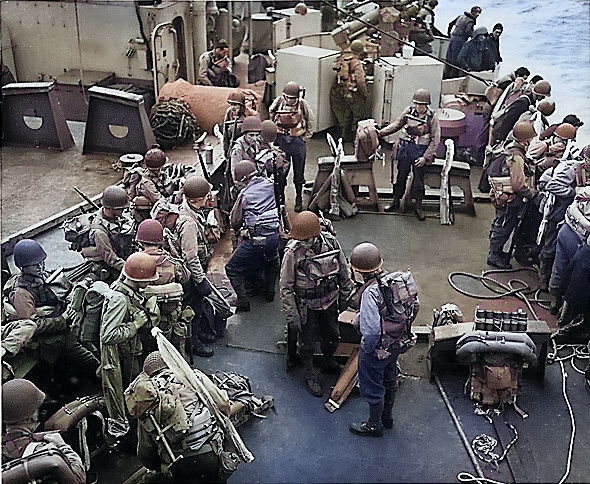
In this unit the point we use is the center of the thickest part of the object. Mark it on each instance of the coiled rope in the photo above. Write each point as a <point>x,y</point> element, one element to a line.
<point>174,123</point>
<point>514,287</point>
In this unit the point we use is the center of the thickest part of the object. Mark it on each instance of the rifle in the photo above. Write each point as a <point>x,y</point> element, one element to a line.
<point>196,147</point>
<point>335,177</point>
<point>446,202</point>
<point>281,209</point>
<point>85,197</point>
<point>162,437</point>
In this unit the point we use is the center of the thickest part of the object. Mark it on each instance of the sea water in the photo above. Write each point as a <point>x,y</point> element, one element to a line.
<point>549,37</point>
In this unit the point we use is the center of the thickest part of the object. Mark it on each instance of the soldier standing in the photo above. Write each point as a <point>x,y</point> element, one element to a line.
<point>234,116</point>
<point>35,301</point>
<point>273,160</point>
<point>314,285</point>
<point>111,233</point>
<point>183,236</point>
<point>247,146</point>
<point>255,217</point>
<point>415,148</point>
<point>348,95</point>
<point>380,348</point>
<point>295,121</point>
<point>510,179</point>
<point>192,445</point>
<point>123,315</point>
<point>21,400</point>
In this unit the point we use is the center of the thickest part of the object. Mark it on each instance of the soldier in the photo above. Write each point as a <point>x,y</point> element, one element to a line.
<point>111,234</point>
<point>198,203</point>
<point>558,187</point>
<point>505,118</point>
<point>192,444</point>
<point>41,308</point>
<point>21,400</point>
<point>571,236</point>
<point>173,320</point>
<point>295,121</point>
<point>234,116</point>
<point>255,217</point>
<point>348,95</point>
<point>183,236</point>
<point>273,160</point>
<point>154,183</point>
<point>381,343</point>
<point>415,148</point>
<point>510,179</point>
<point>123,315</point>
<point>314,285</point>
<point>548,153</point>
<point>247,146</point>
<point>460,30</point>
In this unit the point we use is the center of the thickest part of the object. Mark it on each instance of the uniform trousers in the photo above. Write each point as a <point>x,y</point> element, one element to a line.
<point>376,376</point>
<point>295,151</point>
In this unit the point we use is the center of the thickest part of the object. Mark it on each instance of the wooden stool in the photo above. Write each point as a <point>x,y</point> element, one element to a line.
<point>358,174</point>
<point>458,176</point>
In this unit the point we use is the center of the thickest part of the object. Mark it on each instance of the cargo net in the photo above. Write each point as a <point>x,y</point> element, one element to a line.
<point>173,123</point>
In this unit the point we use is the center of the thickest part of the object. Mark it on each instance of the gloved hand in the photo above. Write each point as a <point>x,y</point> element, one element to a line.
<point>140,318</point>
<point>54,438</point>
<point>420,162</point>
<point>204,287</point>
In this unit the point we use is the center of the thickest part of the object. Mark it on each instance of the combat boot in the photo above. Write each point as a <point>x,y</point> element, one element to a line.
<point>312,380</point>
<point>243,305</point>
<point>419,211</point>
<point>544,273</point>
<point>372,427</point>
<point>556,302</point>
<point>394,204</point>
<point>498,260</point>
<point>298,199</point>
<point>386,416</point>
<point>203,350</point>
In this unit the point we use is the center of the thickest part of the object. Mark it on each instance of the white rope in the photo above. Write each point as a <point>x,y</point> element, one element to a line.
<point>571,413</point>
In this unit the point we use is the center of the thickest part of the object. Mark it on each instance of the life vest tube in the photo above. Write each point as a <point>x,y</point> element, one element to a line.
<point>520,344</point>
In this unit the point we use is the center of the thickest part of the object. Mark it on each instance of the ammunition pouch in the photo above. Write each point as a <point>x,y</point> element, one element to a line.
<point>323,288</point>
<point>501,190</point>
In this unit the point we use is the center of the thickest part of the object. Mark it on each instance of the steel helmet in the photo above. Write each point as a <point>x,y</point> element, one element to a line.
<point>421,96</point>
<point>366,257</point>
<point>236,97</point>
<point>305,225</point>
<point>243,170</point>
<point>140,267</point>
<point>196,187</point>
<point>269,131</point>
<point>114,197</point>
<point>542,88</point>
<point>20,400</point>
<point>150,231</point>
<point>301,8</point>
<point>565,131</point>
<point>142,203</point>
<point>28,252</point>
<point>291,89</point>
<point>523,131</point>
<point>357,46</point>
<point>154,363</point>
<point>481,30</point>
<point>546,107</point>
<point>251,124</point>
<point>155,157</point>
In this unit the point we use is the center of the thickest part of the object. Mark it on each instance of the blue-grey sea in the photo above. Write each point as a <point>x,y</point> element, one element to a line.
<point>550,37</point>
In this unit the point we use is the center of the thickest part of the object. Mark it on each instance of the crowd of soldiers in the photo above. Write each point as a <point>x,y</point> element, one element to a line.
<point>149,245</point>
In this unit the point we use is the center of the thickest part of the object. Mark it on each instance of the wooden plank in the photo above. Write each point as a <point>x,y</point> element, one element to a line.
<point>347,381</point>
<point>451,331</point>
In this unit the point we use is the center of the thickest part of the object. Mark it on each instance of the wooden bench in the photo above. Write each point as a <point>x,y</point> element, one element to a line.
<point>460,175</point>
<point>358,174</point>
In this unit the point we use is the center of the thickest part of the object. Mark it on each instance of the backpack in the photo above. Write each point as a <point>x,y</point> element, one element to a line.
<point>398,310</point>
<point>37,465</point>
<point>77,231</point>
<point>497,159</point>
<point>320,270</point>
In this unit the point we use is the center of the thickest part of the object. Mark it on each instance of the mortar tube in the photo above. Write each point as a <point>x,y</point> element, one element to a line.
<point>459,428</point>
